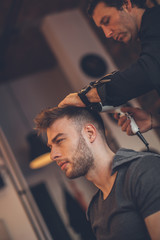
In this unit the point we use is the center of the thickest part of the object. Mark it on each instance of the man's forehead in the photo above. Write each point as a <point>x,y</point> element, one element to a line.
<point>99,11</point>
<point>61,125</point>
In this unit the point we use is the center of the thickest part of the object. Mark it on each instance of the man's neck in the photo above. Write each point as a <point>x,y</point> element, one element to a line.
<point>138,14</point>
<point>100,174</point>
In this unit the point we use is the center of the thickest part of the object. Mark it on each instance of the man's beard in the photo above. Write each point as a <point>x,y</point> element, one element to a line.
<point>82,160</point>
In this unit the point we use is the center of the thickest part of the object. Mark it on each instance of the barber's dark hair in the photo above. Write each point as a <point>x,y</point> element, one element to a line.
<point>114,3</point>
<point>79,115</point>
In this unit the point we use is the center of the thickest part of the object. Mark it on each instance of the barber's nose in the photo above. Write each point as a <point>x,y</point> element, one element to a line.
<point>54,154</point>
<point>108,32</point>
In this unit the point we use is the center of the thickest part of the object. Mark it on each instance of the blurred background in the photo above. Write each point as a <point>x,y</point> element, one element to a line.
<point>47,50</point>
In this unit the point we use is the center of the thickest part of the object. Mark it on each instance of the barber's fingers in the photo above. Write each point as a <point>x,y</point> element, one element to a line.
<point>126,127</point>
<point>125,124</point>
<point>116,116</point>
<point>122,120</point>
<point>129,131</point>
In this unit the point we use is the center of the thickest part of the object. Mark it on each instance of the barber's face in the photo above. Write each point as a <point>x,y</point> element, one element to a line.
<point>117,24</point>
<point>69,148</point>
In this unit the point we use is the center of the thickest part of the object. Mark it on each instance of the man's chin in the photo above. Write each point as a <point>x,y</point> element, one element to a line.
<point>69,174</point>
<point>73,175</point>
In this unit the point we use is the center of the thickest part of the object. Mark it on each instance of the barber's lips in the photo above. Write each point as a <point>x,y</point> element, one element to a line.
<point>119,37</point>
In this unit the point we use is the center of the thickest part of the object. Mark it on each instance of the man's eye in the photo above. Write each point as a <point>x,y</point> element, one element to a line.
<point>59,140</point>
<point>106,21</point>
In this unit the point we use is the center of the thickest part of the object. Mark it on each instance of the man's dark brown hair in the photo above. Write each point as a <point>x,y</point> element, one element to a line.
<point>79,116</point>
<point>114,3</point>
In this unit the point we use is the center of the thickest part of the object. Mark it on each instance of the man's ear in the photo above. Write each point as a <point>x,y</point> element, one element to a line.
<point>91,132</point>
<point>127,5</point>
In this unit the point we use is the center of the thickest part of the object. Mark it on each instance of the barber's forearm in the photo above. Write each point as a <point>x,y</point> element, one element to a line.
<point>124,86</point>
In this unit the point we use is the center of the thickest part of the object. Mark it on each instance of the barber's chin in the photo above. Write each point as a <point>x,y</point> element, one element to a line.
<point>126,40</point>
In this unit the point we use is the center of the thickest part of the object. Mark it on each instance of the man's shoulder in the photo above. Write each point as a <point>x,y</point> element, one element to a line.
<point>145,166</point>
<point>126,157</point>
<point>146,161</point>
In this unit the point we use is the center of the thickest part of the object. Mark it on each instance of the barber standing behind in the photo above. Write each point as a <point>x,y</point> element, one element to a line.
<point>125,21</point>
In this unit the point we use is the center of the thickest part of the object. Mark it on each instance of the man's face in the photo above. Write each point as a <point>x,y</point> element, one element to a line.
<point>69,148</point>
<point>117,24</point>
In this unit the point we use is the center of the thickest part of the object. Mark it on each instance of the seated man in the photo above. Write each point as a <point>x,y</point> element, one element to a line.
<point>127,204</point>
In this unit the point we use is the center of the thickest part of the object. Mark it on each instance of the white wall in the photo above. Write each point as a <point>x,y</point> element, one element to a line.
<point>13,214</point>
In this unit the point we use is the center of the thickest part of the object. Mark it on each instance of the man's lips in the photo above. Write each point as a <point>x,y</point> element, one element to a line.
<point>62,164</point>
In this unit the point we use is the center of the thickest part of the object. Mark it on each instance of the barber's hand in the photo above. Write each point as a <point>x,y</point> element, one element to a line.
<point>142,119</point>
<point>73,99</point>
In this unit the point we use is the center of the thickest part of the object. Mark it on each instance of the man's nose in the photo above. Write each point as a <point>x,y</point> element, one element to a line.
<point>108,32</point>
<point>54,154</point>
